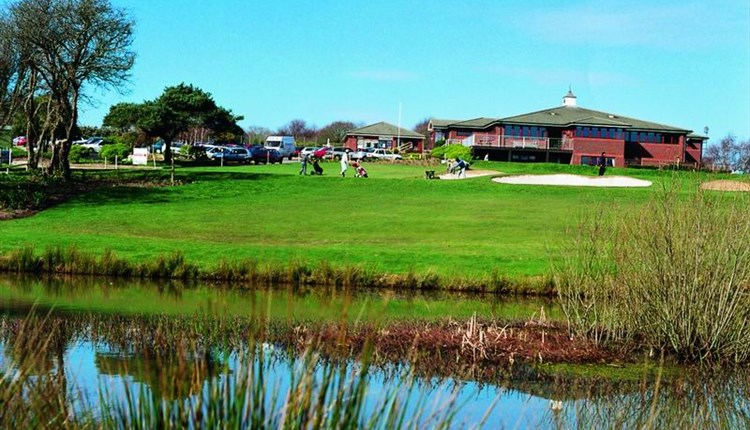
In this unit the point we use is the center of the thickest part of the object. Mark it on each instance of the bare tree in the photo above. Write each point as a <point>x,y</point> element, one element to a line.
<point>299,129</point>
<point>334,132</point>
<point>723,155</point>
<point>421,127</point>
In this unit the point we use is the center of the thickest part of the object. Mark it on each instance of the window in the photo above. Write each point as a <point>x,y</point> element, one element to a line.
<point>461,133</point>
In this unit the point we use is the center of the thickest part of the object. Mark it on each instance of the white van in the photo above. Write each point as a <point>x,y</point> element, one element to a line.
<point>284,144</point>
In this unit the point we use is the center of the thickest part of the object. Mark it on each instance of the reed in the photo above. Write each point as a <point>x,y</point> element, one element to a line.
<point>71,261</point>
<point>674,276</point>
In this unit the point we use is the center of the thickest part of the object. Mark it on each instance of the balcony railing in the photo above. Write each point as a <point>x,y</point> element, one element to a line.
<point>520,142</point>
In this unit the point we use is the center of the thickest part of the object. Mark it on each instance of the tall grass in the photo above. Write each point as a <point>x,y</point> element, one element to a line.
<point>71,261</point>
<point>674,276</point>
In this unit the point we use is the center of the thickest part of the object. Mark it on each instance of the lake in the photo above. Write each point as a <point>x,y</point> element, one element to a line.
<point>185,346</point>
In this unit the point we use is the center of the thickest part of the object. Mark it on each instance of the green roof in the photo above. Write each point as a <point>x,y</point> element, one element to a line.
<point>475,123</point>
<point>442,122</point>
<point>384,129</point>
<point>567,116</point>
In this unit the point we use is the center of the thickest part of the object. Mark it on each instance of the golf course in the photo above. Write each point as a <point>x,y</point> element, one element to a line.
<point>394,222</point>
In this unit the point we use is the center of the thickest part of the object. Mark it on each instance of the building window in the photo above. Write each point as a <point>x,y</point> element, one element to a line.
<point>462,133</point>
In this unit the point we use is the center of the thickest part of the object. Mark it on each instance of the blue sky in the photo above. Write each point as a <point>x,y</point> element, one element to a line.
<point>681,63</point>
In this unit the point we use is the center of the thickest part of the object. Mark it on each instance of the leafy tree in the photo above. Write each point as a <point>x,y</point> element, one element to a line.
<point>65,46</point>
<point>176,110</point>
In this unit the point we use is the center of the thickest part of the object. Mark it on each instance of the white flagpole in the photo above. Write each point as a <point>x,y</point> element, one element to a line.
<point>398,141</point>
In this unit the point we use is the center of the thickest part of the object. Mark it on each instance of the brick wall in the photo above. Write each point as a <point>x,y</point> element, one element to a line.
<point>593,147</point>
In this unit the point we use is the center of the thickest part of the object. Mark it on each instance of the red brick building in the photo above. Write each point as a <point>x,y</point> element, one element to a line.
<point>572,135</point>
<point>384,135</point>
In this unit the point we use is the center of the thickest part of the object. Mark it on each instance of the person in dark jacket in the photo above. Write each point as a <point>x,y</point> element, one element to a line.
<point>602,164</point>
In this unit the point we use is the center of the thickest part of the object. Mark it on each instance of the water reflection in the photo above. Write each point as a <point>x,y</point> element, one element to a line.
<point>96,341</point>
<point>85,354</point>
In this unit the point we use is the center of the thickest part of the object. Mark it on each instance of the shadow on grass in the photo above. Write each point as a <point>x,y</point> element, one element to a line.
<point>155,187</point>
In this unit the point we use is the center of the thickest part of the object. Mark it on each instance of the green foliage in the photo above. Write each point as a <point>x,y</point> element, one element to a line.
<point>120,150</point>
<point>27,191</point>
<point>673,276</point>
<point>439,143</point>
<point>78,154</point>
<point>452,151</point>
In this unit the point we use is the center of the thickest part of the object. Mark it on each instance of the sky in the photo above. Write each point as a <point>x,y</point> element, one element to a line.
<point>681,63</point>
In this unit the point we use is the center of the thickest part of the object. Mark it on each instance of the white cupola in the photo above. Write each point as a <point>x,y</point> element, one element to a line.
<point>570,99</point>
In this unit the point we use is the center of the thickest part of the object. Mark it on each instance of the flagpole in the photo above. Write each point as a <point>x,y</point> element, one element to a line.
<point>398,141</point>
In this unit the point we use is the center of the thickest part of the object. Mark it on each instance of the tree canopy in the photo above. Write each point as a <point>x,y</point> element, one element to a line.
<point>176,110</point>
<point>56,49</point>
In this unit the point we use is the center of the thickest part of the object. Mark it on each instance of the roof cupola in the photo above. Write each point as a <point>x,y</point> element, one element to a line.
<point>570,99</point>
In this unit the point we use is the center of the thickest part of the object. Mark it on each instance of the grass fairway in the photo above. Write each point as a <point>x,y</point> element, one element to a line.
<point>395,221</point>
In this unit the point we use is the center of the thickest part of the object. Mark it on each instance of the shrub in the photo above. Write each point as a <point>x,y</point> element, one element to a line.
<point>674,276</point>
<point>109,152</point>
<point>78,154</point>
<point>452,151</point>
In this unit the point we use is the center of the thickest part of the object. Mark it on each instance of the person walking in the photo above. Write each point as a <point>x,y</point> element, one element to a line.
<point>303,160</point>
<point>344,163</point>
<point>602,164</point>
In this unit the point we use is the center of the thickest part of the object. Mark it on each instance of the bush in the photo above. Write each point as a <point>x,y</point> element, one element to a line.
<point>78,154</point>
<point>120,150</point>
<point>674,276</point>
<point>452,151</point>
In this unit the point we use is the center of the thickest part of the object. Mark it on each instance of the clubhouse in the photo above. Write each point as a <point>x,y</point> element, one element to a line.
<point>571,134</point>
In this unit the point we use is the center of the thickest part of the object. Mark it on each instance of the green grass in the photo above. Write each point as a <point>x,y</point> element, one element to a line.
<point>394,222</point>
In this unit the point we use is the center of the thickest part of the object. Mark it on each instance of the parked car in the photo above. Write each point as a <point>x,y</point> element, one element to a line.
<point>212,151</point>
<point>308,150</point>
<point>93,144</point>
<point>19,141</point>
<point>336,153</point>
<point>262,155</point>
<point>232,155</point>
<point>283,144</point>
<point>385,154</point>
<point>362,154</point>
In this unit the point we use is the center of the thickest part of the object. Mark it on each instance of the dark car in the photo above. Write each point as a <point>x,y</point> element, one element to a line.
<point>262,155</point>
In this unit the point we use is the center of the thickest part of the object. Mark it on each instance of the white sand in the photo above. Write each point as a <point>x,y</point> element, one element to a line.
<point>470,174</point>
<point>574,180</point>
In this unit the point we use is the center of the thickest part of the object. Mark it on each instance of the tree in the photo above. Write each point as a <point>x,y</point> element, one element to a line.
<point>723,155</point>
<point>299,129</point>
<point>257,135</point>
<point>421,127</point>
<point>334,132</point>
<point>64,46</point>
<point>175,111</point>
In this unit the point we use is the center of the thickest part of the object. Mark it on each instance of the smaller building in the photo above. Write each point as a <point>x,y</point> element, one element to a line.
<point>384,135</point>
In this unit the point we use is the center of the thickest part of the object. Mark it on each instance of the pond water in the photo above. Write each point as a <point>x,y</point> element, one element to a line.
<point>104,342</point>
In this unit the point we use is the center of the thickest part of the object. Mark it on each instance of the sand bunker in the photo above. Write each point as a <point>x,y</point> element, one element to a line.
<point>470,174</point>
<point>726,185</point>
<point>574,180</point>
